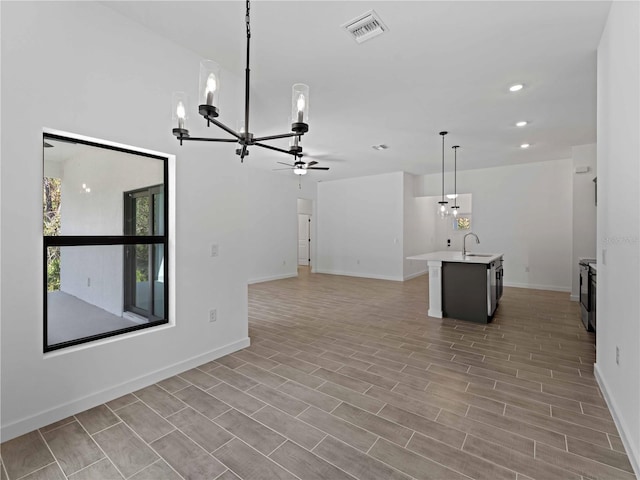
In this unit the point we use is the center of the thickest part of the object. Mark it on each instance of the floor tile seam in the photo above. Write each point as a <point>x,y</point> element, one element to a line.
<point>581,401</point>
<point>612,423</point>
<point>506,402</point>
<point>44,440</point>
<point>315,455</point>
<point>448,467</point>
<point>56,458</point>
<point>4,468</point>
<point>413,431</point>
<point>160,459</point>
<point>255,450</point>
<point>38,469</point>
<point>587,458</point>
<point>512,432</point>
<point>556,431</point>
<point>566,421</point>
<point>102,450</point>
<point>371,384</point>
<point>274,406</point>
<point>157,412</point>
<point>73,419</point>
<point>120,420</point>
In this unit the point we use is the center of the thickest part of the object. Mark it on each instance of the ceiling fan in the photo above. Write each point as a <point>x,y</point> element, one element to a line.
<point>300,168</point>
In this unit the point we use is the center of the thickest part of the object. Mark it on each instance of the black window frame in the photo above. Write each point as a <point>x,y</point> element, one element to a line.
<point>108,240</point>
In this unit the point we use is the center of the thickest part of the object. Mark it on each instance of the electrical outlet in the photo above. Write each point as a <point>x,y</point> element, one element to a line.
<point>284,262</point>
<point>213,315</point>
<point>617,355</point>
<point>358,262</point>
<point>604,256</point>
<point>526,269</point>
<point>214,249</point>
<point>88,281</point>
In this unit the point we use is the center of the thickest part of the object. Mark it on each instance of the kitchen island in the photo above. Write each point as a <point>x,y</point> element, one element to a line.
<point>465,287</point>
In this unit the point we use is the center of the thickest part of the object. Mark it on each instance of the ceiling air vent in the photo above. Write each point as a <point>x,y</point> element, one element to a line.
<point>365,27</point>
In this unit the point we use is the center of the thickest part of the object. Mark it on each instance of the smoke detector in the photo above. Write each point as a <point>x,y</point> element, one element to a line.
<point>365,27</point>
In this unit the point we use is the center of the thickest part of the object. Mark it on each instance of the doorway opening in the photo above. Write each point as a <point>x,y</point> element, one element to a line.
<point>305,208</point>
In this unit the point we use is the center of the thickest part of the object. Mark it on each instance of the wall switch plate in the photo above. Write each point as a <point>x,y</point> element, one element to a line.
<point>213,315</point>
<point>617,355</point>
<point>526,269</point>
<point>88,281</point>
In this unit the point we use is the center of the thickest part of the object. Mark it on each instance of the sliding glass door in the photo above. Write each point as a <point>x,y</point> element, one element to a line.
<point>144,264</point>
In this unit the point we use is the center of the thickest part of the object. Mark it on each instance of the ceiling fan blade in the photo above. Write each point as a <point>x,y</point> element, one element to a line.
<point>317,168</point>
<point>311,163</point>
<point>287,164</point>
<point>276,169</point>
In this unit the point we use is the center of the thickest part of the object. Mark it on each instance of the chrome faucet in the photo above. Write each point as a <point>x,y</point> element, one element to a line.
<point>464,243</point>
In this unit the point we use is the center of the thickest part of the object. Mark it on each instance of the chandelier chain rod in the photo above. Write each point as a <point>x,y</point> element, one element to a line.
<point>246,81</point>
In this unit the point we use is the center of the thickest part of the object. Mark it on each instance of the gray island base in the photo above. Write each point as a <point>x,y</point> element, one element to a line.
<point>465,287</point>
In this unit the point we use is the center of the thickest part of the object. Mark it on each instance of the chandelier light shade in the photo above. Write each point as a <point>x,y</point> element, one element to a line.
<point>208,107</point>
<point>455,207</point>
<point>300,107</point>
<point>209,87</point>
<point>443,211</point>
<point>180,110</point>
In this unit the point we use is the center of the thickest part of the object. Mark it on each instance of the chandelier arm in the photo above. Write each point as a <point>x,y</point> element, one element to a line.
<point>273,137</point>
<point>204,139</point>
<point>224,127</point>
<point>281,150</point>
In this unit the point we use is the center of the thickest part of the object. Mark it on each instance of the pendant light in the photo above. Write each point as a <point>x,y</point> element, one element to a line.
<point>455,207</point>
<point>442,204</point>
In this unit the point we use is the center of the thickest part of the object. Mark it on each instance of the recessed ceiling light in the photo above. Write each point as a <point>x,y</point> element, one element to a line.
<point>516,87</point>
<point>521,123</point>
<point>382,146</point>
<point>525,145</point>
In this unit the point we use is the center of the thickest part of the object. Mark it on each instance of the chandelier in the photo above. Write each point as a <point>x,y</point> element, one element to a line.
<point>208,99</point>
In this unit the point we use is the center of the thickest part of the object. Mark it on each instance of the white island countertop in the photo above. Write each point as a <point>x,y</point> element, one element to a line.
<point>456,256</point>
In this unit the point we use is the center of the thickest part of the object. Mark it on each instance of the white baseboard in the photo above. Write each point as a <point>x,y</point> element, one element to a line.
<point>533,286</point>
<point>632,450</point>
<point>416,275</point>
<point>28,424</point>
<point>360,275</point>
<point>272,277</point>
<point>574,298</point>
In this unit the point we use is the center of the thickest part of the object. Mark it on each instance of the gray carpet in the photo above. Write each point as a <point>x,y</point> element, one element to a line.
<point>70,318</point>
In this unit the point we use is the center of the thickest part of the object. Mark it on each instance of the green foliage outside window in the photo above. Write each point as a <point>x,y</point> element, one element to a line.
<point>51,218</point>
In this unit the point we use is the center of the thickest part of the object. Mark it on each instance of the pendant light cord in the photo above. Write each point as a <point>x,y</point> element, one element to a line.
<point>443,134</point>
<point>455,176</point>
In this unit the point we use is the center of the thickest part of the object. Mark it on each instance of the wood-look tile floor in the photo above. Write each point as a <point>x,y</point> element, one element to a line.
<point>348,378</point>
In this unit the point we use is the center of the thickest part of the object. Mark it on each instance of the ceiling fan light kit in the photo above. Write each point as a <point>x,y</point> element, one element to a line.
<point>208,95</point>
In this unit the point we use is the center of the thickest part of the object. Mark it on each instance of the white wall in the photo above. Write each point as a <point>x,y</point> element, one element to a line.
<point>418,228</point>
<point>98,64</point>
<point>360,226</point>
<point>273,226</point>
<point>584,211</point>
<point>618,240</point>
<point>523,211</point>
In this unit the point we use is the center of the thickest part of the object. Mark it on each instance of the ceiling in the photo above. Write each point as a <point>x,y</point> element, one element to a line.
<point>441,66</point>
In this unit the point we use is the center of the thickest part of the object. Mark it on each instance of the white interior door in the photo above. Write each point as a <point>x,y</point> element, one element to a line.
<point>304,222</point>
